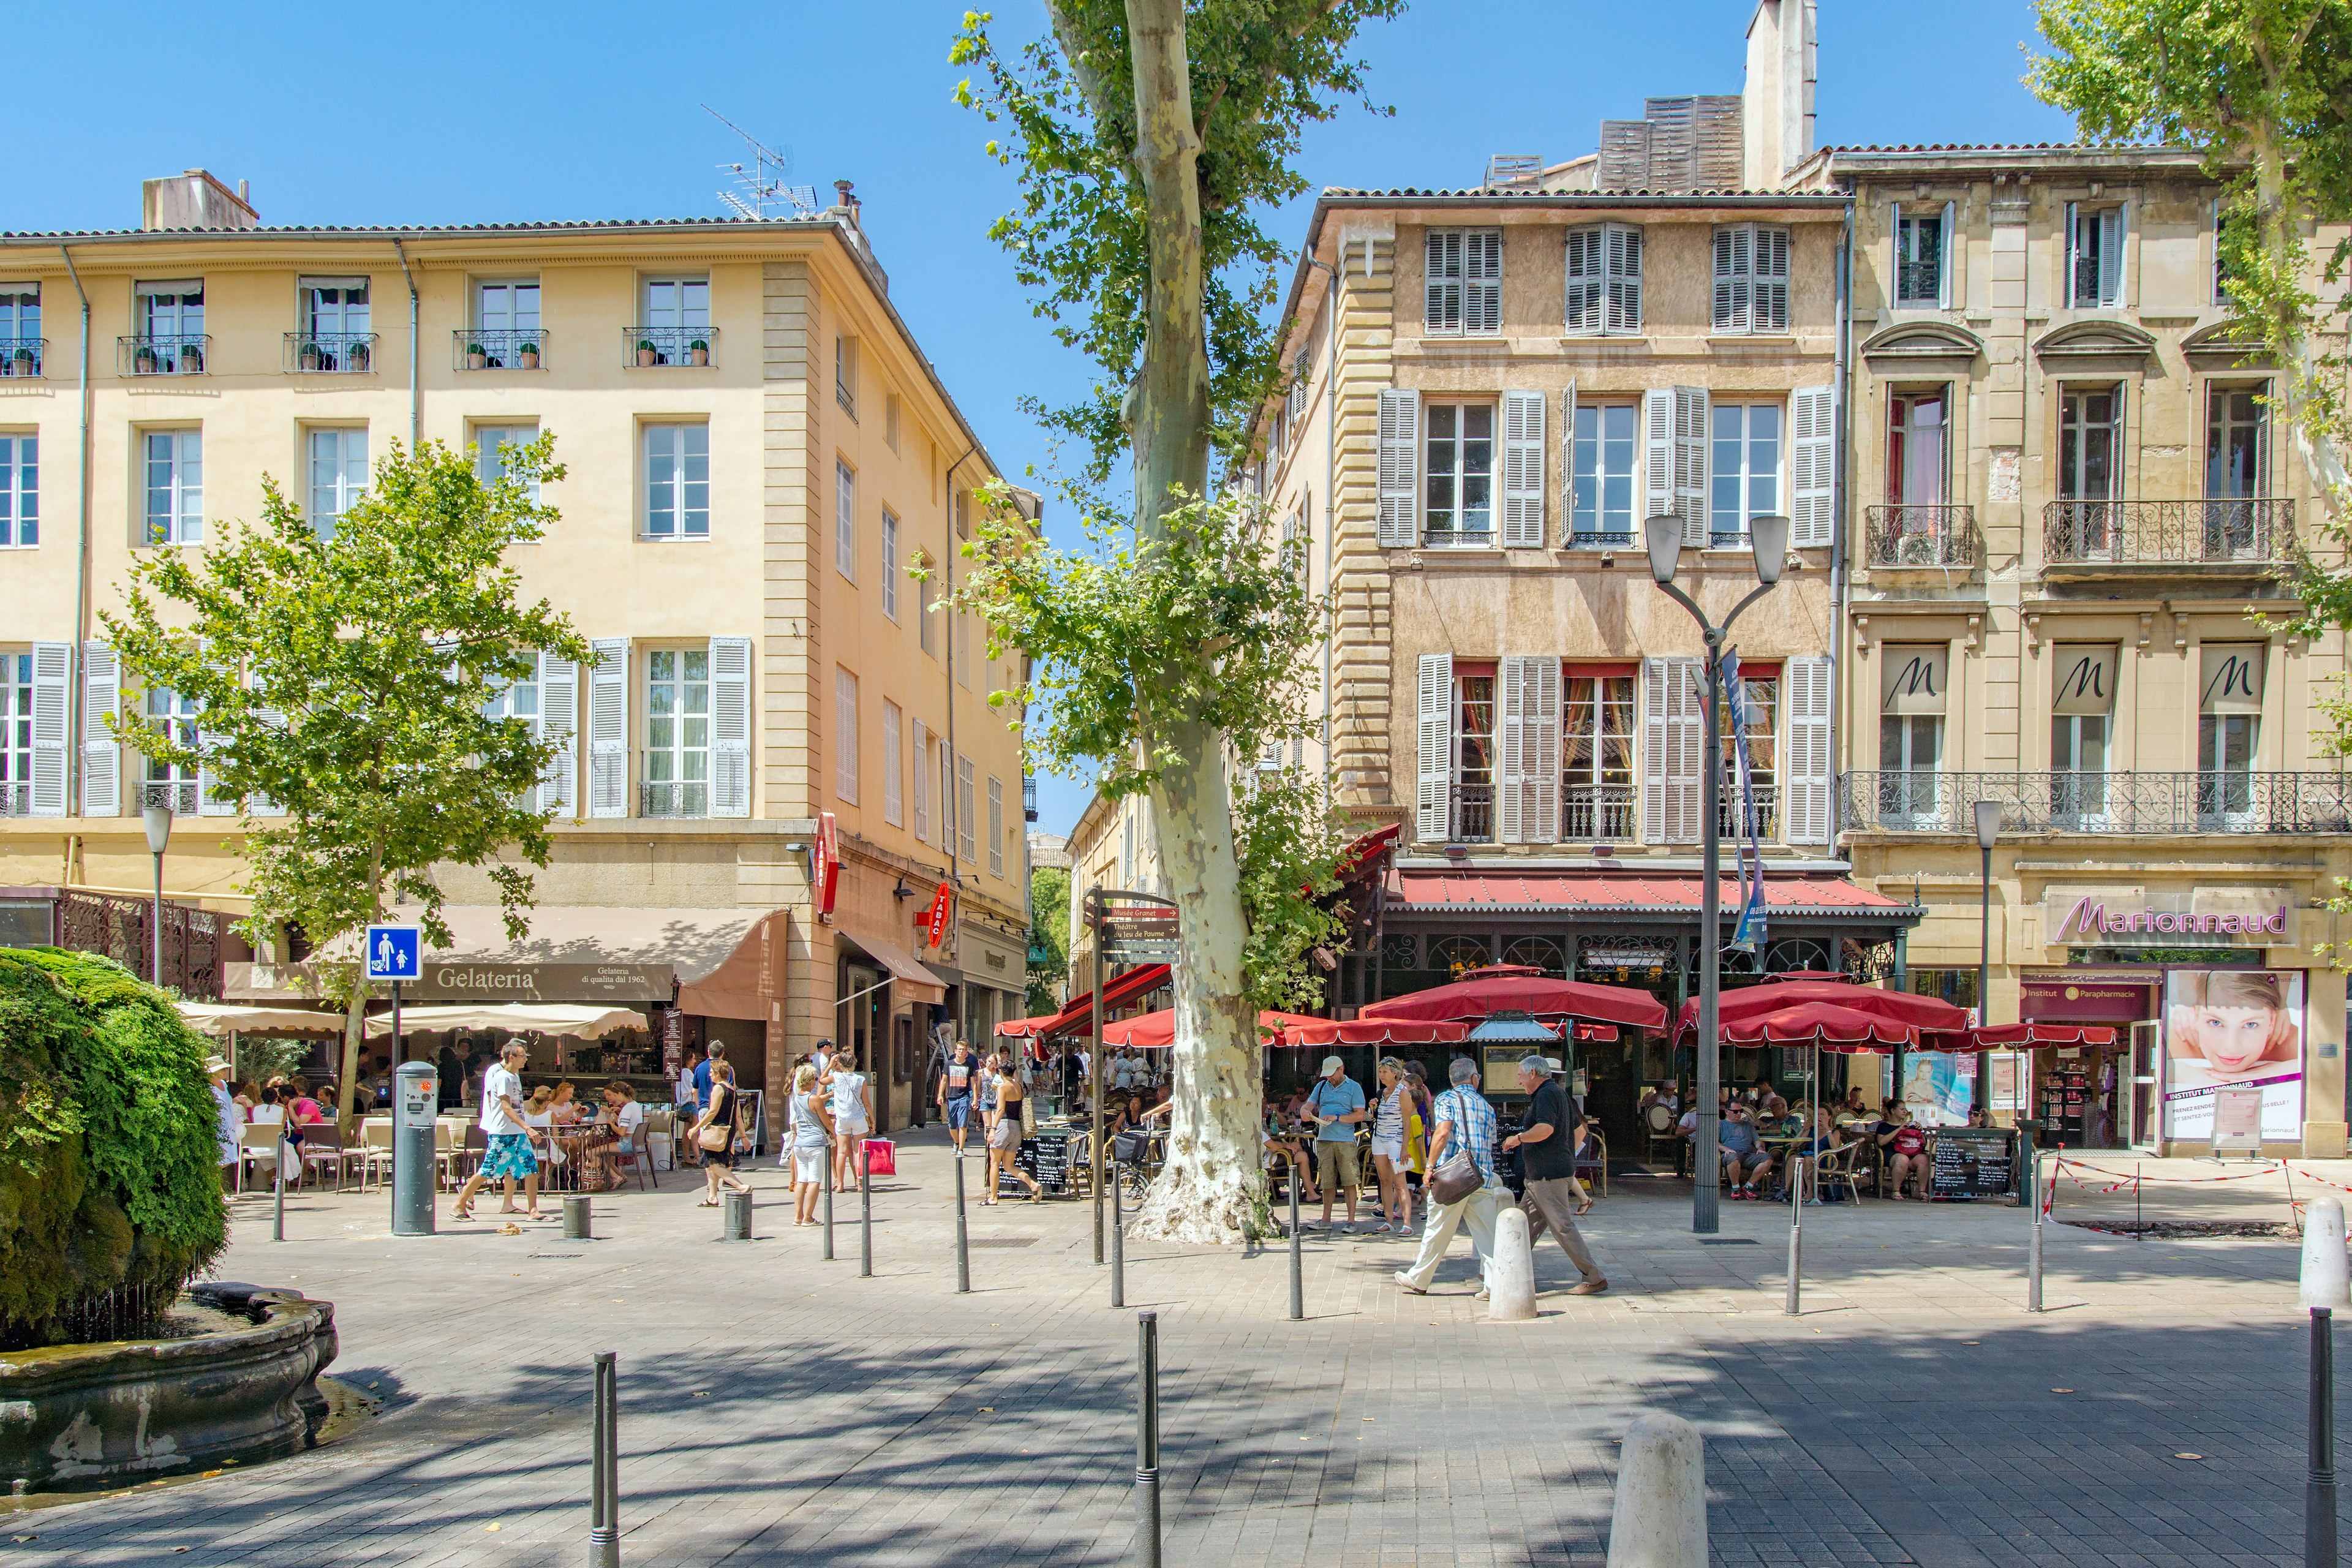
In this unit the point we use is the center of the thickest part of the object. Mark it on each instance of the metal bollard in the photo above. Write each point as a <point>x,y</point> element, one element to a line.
<point>277,1176</point>
<point>604,1483</point>
<point>865,1222</point>
<point>964,1246</point>
<point>1792,1305</point>
<point>575,1220</point>
<point>737,1225</point>
<point>1297,1279</point>
<point>828,1217</point>
<point>2319,1484</point>
<point>2033,1245</point>
<point>1118,1244</point>
<point>1147,1440</point>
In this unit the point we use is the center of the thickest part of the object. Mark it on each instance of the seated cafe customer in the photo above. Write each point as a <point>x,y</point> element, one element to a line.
<point>1744,1158</point>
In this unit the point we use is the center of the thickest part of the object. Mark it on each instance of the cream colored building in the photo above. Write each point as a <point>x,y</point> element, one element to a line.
<point>756,447</point>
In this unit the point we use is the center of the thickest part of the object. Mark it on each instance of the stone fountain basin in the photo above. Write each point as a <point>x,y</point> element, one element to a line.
<point>76,1418</point>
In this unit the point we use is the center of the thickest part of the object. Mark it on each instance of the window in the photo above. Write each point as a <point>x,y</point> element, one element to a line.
<point>339,475</point>
<point>677,732</point>
<point>1597,758</point>
<point>2228,730</point>
<point>844,375</point>
<point>2090,433</point>
<point>1751,278</point>
<point>1297,536</point>
<point>1919,259</point>
<point>890,564</point>
<point>964,823</point>
<point>893,800</point>
<point>16,734</point>
<point>174,466</point>
<point>1294,402</point>
<point>20,328</point>
<point>1760,716</point>
<point>995,826</point>
<point>489,463</point>
<point>1601,503</point>
<point>1458,505</point>
<point>1745,466</point>
<point>677,482</point>
<point>1473,759</point>
<point>506,307</point>
<point>334,308</point>
<point>175,716</point>
<point>1465,283</point>
<point>1910,733</point>
<point>518,700</point>
<point>680,304</point>
<point>844,521</point>
<point>2094,257</point>
<point>2237,442</point>
<point>1604,279</point>
<point>845,731</point>
<point>1915,445</point>
<point>20,490</point>
<point>171,309</point>
<point>2082,708</point>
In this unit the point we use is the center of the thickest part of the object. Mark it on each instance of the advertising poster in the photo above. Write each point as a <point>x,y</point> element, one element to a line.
<point>1939,1086</point>
<point>2225,1028</point>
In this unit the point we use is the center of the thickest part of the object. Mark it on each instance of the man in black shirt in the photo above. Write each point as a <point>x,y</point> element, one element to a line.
<point>1546,1145</point>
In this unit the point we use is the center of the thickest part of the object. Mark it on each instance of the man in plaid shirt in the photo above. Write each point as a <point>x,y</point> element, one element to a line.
<point>1464,1121</point>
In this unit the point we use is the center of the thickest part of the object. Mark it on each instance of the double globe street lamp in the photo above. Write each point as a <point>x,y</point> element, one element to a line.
<point>1769,536</point>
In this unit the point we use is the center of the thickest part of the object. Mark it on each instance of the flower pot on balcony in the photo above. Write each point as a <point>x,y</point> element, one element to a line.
<point>310,356</point>
<point>191,359</point>
<point>697,353</point>
<point>22,364</point>
<point>359,357</point>
<point>645,354</point>
<point>529,356</point>
<point>475,356</point>
<point>143,362</point>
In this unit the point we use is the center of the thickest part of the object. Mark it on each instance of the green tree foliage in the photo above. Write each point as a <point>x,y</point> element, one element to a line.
<point>343,675</point>
<point>1049,933</point>
<point>109,1164</point>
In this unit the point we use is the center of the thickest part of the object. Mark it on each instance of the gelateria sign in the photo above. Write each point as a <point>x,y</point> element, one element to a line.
<point>2205,917</point>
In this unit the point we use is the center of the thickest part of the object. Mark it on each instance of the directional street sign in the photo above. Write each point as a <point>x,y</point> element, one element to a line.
<point>395,953</point>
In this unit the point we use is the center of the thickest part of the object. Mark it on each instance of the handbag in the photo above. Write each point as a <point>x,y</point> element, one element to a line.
<point>1456,1178</point>
<point>715,1136</point>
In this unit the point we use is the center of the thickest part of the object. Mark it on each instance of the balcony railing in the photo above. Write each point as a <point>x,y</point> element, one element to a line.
<point>1918,282</point>
<point>501,350</point>
<point>1733,821</point>
<point>2165,532</point>
<point>674,799</point>
<point>147,353</point>
<point>650,346</point>
<point>22,356</point>
<point>177,796</point>
<point>1920,535</point>
<point>1474,814</point>
<point>1598,814</point>
<point>331,353</point>
<point>15,797</point>
<point>2149,803</point>
<point>1599,538</point>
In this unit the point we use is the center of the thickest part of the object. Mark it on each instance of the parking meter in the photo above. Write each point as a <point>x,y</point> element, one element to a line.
<point>415,1104</point>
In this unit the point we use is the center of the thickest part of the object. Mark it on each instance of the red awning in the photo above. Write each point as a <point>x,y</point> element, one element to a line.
<point>1538,892</point>
<point>1024,1028</point>
<point>2038,1032</point>
<point>1819,1024</point>
<point>1470,999</point>
<point>1156,1031</point>
<point>1363,856</point>
<point>1374,1032</point>
<point>1935,1025</point>
<point>1125,990</point>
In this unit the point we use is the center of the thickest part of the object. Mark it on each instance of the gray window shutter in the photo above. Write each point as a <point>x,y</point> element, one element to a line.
<point>1946,251</point>
<point>1523,470</point>
<point>1441,282</point>
<point>1653,751</point>
<point>1657,454</point>
<point>1624,263</point>
<point>1807,813</point>
<point>1732,268</point>
<point>52,664</point>
<point>1769,282</point>
<point>102,758</point>
<point>559,723</point>
<point>1685,716</point>
<point>210,800</point>
<point>1482,280</point>
<point>262,805</point>
<point>1511,721</point>
<point>1568,464</point>
<point>1433,812</point>
<point>730,726</point>
<point>1530,759</point>
<point>1691,455</point>
<point>921,751</point>
<point>1588,280</point>
<point>1812,469</point>
<point>1400,477</point>
<point>2111,257</point>
<point>608,729</point>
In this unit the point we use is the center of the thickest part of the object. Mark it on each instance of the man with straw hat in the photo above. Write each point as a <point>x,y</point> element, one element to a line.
<point>231,1119</point>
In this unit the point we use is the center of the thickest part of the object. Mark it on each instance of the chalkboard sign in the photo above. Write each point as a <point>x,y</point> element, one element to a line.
<point>1972,1163</point>
<point>1046,1158</point>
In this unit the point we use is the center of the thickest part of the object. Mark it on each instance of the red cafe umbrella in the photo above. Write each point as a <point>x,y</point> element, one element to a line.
<point>2026,1035</point>
<point>1937,1024</point>
<point>1024,1028</point>
<point>1373,1032</point>
<point>1513,989</point>
<point>1819,1024</point>
<point>1156,1031</point>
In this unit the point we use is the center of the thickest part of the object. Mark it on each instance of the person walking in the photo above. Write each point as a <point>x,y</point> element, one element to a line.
<point>851,1099</point>
<point>509,1157</point>
<point>1465,1126</point>
<point>1335,1105</point>
<point>813,1134</point>
<point>1390,1133</point>
<point>1546,1145</point>
<point>716,1134</point>
<point>956,1086</point>
<point>1005,1140</point>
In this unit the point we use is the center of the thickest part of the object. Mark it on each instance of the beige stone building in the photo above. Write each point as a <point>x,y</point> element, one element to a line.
<point>756,448</point>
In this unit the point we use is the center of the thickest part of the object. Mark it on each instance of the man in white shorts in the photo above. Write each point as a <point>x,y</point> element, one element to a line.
<point>852,1104</point>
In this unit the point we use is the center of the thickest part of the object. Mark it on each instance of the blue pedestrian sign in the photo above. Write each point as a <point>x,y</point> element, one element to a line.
<point>395,953</point>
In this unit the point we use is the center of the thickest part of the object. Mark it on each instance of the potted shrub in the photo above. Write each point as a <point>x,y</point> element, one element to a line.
<point>530,352</point>
<point>310,356</point>
<point>143,362</point>
<point>23,363</point>
<point>697,353</point>
<point>359,356</point>
<point>192,358</point>
<point>476,356</point>
<point>645,354</point>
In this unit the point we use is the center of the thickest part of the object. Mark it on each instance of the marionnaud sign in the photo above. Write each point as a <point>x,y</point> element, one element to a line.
<point>395,953</point>
<point>2259,918</point>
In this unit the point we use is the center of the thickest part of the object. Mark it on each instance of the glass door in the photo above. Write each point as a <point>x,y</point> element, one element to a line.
<point>2146,1097</point>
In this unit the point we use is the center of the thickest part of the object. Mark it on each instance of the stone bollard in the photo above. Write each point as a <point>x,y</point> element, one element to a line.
<point>1660,1517</point>
<point>736,1222</point>
<point>1511,1275</point>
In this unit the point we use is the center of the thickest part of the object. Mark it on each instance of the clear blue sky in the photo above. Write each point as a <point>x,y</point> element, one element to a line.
<point>440,113</point>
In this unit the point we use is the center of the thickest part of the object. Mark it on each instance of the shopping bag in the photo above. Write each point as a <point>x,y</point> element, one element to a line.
<point>881,1157</point>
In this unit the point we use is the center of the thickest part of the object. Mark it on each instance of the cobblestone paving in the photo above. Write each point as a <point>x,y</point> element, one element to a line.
<point>778,1408</point>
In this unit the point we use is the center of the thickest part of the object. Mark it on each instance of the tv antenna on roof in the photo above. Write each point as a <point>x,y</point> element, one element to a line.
<point>760,193</point>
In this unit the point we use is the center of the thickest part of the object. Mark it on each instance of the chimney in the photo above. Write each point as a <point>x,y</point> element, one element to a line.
<point>847,204</point>
<point>195,200</point>
<point>1777,102</point>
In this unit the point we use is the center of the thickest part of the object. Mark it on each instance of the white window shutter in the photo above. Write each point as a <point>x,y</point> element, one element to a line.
<point>1440,281</point>
<point>1512,721</point>
<point>1731,276</point>
<point>1588,280</point>
<point>1692,450</point>
<point>1807,816</point>
<point>559,722</point>
<point>1944,252</point>
<point>1657,455</point>
<point>608,729</point>
<point>261,804</point>
<point>920,751</point>
<point>1812,469</point>
<point>1523,470</point>
<point>2072,290</point>
<point>52,663</point>
<point>1653,751</point>
<point>1568,464</point>
<point>730,726</point>
<point>102,758</point>
<point>1400,477</point>
<point>1482,280</point>
<point>210,800</point>
<point>1685,727</point>
<point>2111,257</point>
<point>1624,263</point>
<point>1432,811</point>
<point>1541,818</point>
<point>1768,295</point>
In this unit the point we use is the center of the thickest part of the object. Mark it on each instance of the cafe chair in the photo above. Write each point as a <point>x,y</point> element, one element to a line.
<point>257,1141</point>
<point>1835,1170</point>
<point>322,1144</point>
<point>376,1149</point>
<point>1592,1160</point>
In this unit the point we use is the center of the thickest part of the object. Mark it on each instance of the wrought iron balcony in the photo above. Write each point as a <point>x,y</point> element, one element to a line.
<point>2107,803</point>
<point>2224,531</point>
<point>650,346</point>
<point>1594,539</point>
<point>1918,282</point>
<point>15,797</point>
<point>674,798</point>
<point>177,796</point>
<point>331,353</point>
<point>1028,797</point>
<point>151,354</point>
<point>1919,536</point>
<point>22,356</point>
<point>1598,814</point>
<point>1474,813</point>
<point>501,350</point>
<point>1734,821</point>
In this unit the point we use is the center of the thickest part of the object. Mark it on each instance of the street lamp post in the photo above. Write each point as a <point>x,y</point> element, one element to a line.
<point>1987,833</point>
<point>1770,538</point>
<point>157,819</point>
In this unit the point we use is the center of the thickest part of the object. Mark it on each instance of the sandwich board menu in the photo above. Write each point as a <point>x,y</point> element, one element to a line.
<point>1972,1163</point>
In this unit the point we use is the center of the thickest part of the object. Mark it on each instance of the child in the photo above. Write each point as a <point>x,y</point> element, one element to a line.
<point>2232,1020</point>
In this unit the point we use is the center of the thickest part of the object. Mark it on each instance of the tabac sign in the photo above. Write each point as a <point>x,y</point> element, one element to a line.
<point>2216,917</point>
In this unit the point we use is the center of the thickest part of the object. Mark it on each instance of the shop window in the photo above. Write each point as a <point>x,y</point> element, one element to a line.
<point>1399,950</point>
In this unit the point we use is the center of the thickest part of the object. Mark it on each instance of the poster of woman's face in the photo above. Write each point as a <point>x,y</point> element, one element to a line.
<point>2232,1026</point>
